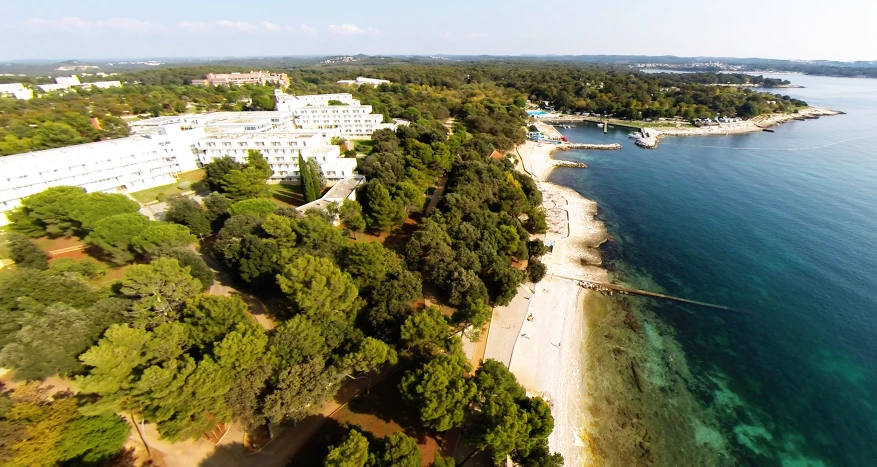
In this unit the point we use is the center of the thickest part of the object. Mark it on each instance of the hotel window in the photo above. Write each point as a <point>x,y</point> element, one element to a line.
<point>226,145</point>
<point>211,145</point>
<point>280,159</point>
<point>243,145</point>
<point>260,143</point>
<point>275,143</point>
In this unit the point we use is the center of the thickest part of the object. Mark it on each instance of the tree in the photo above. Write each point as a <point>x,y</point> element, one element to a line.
<point>369,356</point>
<point>300,391</point>
<point>24,293</point>
<point>25,253</point>
<point>390,304</point>
<point>88,209</point>
<point>475,314</point>
<point>47,212</point>
<point>316,286</point>
<point>441,461</point>
<point>351,216</point>
<point>426,334</point>
<point>507,422</point>
<point>217,170</point>
<point>440,390</point>
<point>208,318</point>
<point>243,184</point>
<point>255,160</point>
<point>369,263</point>
<point>536,270</point>
<point>353,452</point>
<point>409,195</point>
<point>39,430</point>
<point>86,267</point>
<point>298,340</point>
<point>307,180</point>
<point>150,374</point>
<point>198,268</point>
<point>48,343</point>
<point>159,288</point>
<point>159,236</point>
<point>217,206</point>
<point>186,211</point>
<point>382,212</point>
<point>113,236</point>
<point>258,207</point>
<point>399,451</point>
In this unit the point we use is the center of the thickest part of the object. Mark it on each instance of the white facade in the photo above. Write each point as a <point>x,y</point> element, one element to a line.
<point>62,83</point>
<point>134,163</point>
<point>281,149</point>
<point>359,81</point>
<point>162,148</point>
<point>315,113</point>
<point>16,90</point>
<point>105,84</point>
<point>68,81</point>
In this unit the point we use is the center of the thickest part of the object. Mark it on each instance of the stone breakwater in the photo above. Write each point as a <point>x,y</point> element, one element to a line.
<point>599,147</point>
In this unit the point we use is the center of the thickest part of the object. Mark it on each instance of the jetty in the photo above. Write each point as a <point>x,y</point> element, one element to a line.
<point>648,138</point>
<point>569,164</point>
<point>610,289</point>
<point>599,147</point>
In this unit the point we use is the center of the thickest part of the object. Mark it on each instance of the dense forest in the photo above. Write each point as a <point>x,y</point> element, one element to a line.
<point>433,91</point>
<point>157,347</point>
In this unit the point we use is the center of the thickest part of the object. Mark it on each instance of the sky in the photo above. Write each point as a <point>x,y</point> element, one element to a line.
<point>89,29</point>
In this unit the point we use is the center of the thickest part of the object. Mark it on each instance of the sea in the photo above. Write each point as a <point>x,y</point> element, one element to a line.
<point>782,228</point>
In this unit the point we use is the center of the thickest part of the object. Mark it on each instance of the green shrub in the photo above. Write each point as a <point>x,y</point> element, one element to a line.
<point>161,197</point>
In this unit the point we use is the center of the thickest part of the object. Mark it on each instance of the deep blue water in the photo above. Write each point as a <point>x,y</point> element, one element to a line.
<point>783,226</point>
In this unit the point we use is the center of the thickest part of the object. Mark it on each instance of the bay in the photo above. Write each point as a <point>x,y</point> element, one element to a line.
<point>782,226</point>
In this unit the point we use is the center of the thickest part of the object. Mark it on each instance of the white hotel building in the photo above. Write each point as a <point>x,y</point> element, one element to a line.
<point>132,164</point>
<point>162,148</point>
<point>351,120</point>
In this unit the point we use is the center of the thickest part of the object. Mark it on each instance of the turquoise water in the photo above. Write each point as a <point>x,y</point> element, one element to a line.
<point>782,226</point>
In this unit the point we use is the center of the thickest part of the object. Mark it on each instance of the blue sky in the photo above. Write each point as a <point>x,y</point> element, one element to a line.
<point>805,29</point>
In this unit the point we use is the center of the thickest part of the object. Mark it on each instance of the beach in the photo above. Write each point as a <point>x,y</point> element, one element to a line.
<point>548,355</point>
<point>593,357</point>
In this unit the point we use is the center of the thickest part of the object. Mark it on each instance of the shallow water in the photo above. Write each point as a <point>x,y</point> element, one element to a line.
<point>782,226</point>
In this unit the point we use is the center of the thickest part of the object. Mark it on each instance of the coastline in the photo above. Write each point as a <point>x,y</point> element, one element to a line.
<point>549,356</point>
<point>755,124</point>
<point>614,375</point>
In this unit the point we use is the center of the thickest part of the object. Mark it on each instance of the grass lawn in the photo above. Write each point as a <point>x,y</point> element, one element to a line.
<point>148,196</point>
<point>363,146</point>
<point>287,195</point>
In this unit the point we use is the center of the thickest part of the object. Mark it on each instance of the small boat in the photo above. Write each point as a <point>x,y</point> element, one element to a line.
<point>599,125</point>
<point>634,135</point>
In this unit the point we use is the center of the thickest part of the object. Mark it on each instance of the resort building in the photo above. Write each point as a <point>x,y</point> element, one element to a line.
<point>161,148</point>
<point>63,83</point>
<point>126,164</point>
<point>16,90</point>
<point>339,112</point>
<point>359,81</point>
<point>237,79</point>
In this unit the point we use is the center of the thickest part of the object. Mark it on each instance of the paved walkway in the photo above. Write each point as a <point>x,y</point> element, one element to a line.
<point>436,195</point>
<point>505,327</point>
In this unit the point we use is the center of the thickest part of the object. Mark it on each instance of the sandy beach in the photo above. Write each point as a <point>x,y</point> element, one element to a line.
<point>548,355</point>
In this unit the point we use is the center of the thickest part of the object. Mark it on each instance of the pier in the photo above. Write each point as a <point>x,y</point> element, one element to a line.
<point>613,288</point>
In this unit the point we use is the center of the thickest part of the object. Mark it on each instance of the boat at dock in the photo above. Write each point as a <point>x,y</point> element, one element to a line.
<point>634,135</point>
<point>599,125</point>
